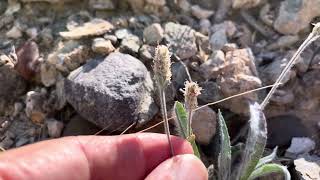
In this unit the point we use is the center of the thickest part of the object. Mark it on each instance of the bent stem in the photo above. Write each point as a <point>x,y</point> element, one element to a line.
<point>312,37</point>
<point>165,117</point>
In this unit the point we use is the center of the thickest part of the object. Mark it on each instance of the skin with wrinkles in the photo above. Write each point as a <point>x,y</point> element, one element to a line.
<point>134,156</point>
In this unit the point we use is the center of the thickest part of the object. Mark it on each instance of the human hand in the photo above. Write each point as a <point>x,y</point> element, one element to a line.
<point>134,156</point>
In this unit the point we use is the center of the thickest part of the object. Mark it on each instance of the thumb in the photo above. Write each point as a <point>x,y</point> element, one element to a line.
<point>184,167</point>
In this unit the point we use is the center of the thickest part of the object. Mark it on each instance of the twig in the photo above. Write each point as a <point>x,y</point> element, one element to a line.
<point>153,126</point>
<point>127,128</point>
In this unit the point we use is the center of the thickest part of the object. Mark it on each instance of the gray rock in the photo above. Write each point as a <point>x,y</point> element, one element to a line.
<point>153,34</point>
<point>296,15</point>
<point>122,33</point>
<point>12,85</point>
<point>270,72</point>
<point>111,38</point>
<point>220,33</point>
<point>35,102</point>
<point>69,56</point>
<point>79,126</point>
<point>181,40</point>
<point>48,74</point>
<point>130,44</point>
<point>204,125</point>
<point>280,134</point>
<point>146,53</point>
<point>201,13</point>
<point>95,27</point>
<point>32,32</point>
<point>113,93</point>
<point>101,4</point>
<point>210,92</point>
<point>308,167</point>
<point>54,127</point>
<point>212,67</point>
<point>218,40</point>
<point>22,141</point>
<point>179,75</point>
<point>300,145</point>
<point>205,25</point>
<point>245,4</point>
<point>14,33</point>
<point>102,46</point>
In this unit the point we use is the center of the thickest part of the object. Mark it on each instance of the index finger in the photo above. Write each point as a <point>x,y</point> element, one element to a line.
<point>90,157</point>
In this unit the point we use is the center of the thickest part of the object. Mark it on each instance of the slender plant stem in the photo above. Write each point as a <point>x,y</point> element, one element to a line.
<point>237,95</point>
<point>165,117</point>
<point>153,126</point>
<point>189,121</point>
<point>284,72</point>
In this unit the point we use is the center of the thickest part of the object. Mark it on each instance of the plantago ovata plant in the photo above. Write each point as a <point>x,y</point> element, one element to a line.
<point>162,77</point>
<point>184,113</point>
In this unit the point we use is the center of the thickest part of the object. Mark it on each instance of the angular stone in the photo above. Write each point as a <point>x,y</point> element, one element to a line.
<point>113,93</point>
<point>69,56</point>
<point>296,15</point>
<point>204,125</point>
<point>245,4</point>
<point>11,83</point>
<point>238,74</point>
<point>130,44</point>
<point>300,145</point>
<point>308,167</point>
<point>153,34</point>
<point>94,27</point>
<point>54,127</point>
<point>102,46</point>
<point>101,4</point>
<point>181,40</point>
<point>201,13</point>
<point>79,126</point>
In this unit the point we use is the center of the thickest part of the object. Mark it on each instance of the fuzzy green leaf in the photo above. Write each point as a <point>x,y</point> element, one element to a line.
<point>195,147</point>
<point>255,143</point>
<point>268,169</point>
<point>224,158</point>
<point>182,124</point>
<point>182,119</point>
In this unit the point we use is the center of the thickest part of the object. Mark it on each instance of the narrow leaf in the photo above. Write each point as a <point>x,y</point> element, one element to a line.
<point>268,169</point>
<point>255,143</point>
<point>194,146</point>
<point>268,158</point>
<point>182,124</point>
<point>224,158</point>
<point>181,119</point>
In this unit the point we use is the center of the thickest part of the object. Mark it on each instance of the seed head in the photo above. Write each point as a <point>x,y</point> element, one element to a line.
<point>316,29</point>
<point>162,66</point>
<point>191,92</point>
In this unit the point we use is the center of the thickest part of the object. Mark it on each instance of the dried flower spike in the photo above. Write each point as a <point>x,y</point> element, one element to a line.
<point>162,76</point>
<point>161,66</point>
<point>191,92</point>
<point>316,28</point>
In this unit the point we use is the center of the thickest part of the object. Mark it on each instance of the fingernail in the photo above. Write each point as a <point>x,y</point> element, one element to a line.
<point>187,167</point>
